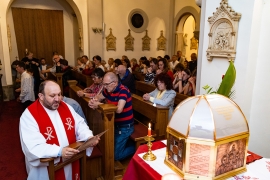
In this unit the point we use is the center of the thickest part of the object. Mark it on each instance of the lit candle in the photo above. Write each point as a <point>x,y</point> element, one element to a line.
<point>149,129</point>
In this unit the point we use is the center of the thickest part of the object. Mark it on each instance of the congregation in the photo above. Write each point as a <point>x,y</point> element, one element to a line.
<point>113,83</point>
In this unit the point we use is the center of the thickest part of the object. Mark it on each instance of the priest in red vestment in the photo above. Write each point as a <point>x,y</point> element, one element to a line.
<point>47,127</point>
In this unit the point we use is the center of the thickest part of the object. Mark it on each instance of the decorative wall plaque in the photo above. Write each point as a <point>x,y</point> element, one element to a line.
<point>193,43</point>
<point>146,42</point>
<point>9,38</point>
<point>161,42</point>
<point>129,42</point>
<point>80,39</point>
<point>223,32</point>
<point>111,41</point>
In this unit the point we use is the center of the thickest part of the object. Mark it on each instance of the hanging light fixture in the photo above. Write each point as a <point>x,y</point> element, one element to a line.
<point>198,2</point>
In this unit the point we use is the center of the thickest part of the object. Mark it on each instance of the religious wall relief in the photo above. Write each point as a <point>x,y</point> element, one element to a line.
<point>80,39</point>
<point>161,42</point>
<point>111,41</point>
<point>146,42</point>
<point>129,42</point>
<point>223,32</point>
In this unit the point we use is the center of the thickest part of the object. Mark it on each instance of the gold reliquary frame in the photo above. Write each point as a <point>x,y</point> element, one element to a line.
<point>161,42</point>
<point>223,32</point>
<point>129,42</point>
<point>146,42</point>
<point>111,41</point>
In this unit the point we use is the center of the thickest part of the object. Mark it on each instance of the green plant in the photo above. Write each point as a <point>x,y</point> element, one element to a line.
<point>226,85</point>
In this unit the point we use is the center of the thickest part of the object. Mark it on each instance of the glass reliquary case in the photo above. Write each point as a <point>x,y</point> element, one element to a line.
<point>207,138</point>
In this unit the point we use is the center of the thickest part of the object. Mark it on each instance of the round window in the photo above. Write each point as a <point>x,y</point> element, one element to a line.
<point>137,20</point>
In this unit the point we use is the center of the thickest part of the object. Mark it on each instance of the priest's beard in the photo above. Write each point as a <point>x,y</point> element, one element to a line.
<point>53,105</point>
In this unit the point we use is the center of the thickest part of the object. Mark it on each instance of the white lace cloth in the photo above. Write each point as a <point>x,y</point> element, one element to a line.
<point>258,170</point>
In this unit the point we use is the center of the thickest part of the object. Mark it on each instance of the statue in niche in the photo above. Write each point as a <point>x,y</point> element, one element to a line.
<point>111,41</point>
<point>193,43</point>
<point>146,42</point>
<point>185,44</point>
<point>80,39</point>
<point>161,42</point>
<point>129,42</point>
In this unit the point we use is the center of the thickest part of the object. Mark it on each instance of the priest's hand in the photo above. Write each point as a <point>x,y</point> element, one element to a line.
<point>68,152</point>
<point>95,141</point>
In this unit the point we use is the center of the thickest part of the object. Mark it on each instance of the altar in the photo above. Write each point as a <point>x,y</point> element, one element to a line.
<point>258,168</point>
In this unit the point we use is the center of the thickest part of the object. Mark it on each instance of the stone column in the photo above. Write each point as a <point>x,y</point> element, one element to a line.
<point>179,42</point>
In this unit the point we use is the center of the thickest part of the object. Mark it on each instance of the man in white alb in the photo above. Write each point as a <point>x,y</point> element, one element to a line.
<point>47,127</point>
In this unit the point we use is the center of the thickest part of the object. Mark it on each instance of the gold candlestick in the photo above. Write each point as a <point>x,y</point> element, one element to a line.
<point>149,156</point>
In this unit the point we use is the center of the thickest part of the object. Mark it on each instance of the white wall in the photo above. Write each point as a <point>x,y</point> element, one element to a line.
<point>251,66</point>
<point>116,17</point>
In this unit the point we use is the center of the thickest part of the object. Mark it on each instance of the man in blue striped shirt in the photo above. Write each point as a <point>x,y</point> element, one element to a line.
<point>119,95</point>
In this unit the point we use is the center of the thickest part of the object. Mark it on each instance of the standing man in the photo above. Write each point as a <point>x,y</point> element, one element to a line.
<point>174,62</point>
<point>117,94</point>
<point>192,65</point>
<point>126,78</point>
<point>181,59</point>
<point>43,66</point>
<point>85,60</point>
<point>33,63</point>
<point>67,75</point>
<point>56,59</point>
<point>27,95</point>
<point>47,127</point>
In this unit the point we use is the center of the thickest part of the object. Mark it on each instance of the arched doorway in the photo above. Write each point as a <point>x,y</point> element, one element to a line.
<point>186,22</point>
<point>186,42</point>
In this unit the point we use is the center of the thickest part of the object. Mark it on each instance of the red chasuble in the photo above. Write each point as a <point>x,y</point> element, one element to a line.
<point>47,130</point>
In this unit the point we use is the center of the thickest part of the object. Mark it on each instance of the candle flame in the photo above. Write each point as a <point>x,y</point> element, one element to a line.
<point>149,125</point>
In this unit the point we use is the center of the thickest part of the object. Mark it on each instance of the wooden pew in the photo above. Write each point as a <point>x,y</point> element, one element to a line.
<point>83,80</point>
<point>52,167</point>
<point>138,75</point>
<point>99,120</point>
<point>56,77</point>
<point>158,115</point>
<point>142,88</point>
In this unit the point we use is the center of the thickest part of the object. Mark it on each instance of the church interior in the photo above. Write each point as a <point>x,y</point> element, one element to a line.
<point>218,32</point>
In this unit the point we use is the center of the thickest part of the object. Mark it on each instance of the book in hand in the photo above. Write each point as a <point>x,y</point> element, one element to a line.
<point>90,141</point>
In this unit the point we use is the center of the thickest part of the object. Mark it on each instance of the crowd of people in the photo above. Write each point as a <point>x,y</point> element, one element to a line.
<point>113,83</point>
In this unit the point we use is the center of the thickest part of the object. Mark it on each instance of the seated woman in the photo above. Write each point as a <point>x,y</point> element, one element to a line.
<point>163,67</point>
<point>126,63</point>
<point>89,68</point>
<point>149,74</point>
<point>191,86</point>
<point>163,94</point>
<point>80,65</point>
<point>116,63</point>
<point>134,65</point>
<point>181,83</point>
<point>96,87</point>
